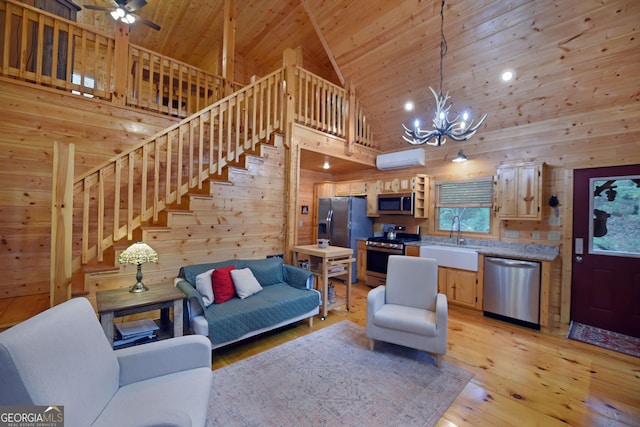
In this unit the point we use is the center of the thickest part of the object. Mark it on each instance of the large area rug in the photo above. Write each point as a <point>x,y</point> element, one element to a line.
<point>603,338</point>
<point>331,378</point>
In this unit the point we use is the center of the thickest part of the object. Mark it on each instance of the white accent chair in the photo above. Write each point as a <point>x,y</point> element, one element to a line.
<point>408,310</point>
<point>62,357</point>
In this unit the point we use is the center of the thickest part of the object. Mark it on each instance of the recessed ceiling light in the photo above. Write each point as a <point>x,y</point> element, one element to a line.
<point>507,75</point>
<point>409,106</point>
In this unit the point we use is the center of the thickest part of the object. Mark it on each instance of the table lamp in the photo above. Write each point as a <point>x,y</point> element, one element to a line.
<point>138,254</point>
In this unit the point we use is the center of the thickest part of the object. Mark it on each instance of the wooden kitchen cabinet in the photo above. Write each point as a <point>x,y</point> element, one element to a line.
<point>324,189</point>
<point>460,286</point>
<point>357,188</point>
<point>418,185</point>
<point>373,189</point>
<point>361,260</point>
<point>397,185</point>
<point>519,194</point>
<point>412,251</point>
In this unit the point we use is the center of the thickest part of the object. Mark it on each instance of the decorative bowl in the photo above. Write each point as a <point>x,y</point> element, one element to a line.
<point>323,243</point>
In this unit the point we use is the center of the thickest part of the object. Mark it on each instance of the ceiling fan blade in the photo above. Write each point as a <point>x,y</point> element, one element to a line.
<point>133,5</point>
<point>147,22</point>
<point>94,7</point>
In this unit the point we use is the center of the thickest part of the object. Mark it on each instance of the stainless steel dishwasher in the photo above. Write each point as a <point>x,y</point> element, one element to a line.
<point>512,291</point>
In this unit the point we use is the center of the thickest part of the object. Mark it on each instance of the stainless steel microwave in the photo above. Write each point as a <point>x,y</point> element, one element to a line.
<point>395,204</point>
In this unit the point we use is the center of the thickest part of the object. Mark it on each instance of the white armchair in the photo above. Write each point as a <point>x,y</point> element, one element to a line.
<point>408,310</point>
<point>62,357</point>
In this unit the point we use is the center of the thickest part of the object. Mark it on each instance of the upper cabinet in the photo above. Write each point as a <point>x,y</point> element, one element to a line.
<point>355,188</point>
<point>397,185</point>
<point>324,189</point>
<point>416,184</point>
<point>519,194</point>
<point>373,189</point>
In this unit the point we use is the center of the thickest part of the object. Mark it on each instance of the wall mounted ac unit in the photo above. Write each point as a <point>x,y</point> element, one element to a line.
<point>401,159</point>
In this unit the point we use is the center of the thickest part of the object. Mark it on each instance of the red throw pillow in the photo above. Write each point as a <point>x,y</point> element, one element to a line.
<point>223,289</point>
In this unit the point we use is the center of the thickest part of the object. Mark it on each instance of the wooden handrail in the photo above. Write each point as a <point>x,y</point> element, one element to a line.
<point>323,105</point>
<point>111,201</point>
<point>45,49</point>
<point>163,168</point>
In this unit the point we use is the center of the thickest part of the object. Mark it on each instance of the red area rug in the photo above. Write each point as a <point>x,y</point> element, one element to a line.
<point>605,339</point>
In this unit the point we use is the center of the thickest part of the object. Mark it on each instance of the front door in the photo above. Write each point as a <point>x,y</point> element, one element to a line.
<point>605,287</point>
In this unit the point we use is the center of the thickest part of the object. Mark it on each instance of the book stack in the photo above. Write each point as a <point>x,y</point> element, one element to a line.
<point>135,332</point>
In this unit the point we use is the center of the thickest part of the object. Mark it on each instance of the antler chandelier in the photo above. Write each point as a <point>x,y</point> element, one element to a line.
<point>457,129</point>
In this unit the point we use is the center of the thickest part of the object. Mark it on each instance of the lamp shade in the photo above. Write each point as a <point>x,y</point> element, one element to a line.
<point>138,253</point>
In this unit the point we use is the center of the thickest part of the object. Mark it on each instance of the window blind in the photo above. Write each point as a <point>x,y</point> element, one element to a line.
<point>477,193</point>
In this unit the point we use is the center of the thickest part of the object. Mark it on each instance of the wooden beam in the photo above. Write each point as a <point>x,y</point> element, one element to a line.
<point>351,118</point>
<point>61,222</point>
<point>121,55</point>
<point>228,45</point>
<point>325,45</point>
<point>292,155</point>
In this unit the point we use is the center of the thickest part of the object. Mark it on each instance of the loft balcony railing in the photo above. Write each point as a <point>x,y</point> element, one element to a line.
<point>112,200</point>
<point>47,50</point>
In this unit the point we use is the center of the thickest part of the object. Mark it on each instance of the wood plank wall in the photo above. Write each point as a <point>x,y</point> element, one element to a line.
<point>613,140</point>
<point>32,118</point>
<point>306,196</point>
<point>243,217</point>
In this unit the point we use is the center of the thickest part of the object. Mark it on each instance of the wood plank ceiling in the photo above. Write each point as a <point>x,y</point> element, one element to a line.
<point>569,56</point>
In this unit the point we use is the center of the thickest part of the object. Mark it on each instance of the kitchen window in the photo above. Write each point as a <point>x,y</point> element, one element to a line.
<point>466,204</point>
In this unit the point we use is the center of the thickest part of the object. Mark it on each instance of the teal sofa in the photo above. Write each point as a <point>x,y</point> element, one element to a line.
<point>287,296</point>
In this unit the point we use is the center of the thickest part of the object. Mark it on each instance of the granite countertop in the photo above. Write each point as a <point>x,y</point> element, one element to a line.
<point>527,251</point>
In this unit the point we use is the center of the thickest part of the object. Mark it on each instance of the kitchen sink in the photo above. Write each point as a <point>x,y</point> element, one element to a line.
<point>452,256</point>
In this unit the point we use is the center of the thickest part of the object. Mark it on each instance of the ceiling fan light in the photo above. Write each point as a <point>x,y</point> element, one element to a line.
<point>129,19</point>
<point>114,15</point>
<point>120,12</point>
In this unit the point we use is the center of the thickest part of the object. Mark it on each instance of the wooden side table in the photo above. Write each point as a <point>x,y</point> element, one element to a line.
<point>120,302</point>
<point>335,261</point>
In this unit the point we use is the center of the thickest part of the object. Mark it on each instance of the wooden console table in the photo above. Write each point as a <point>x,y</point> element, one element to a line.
<point>120,302</point>
<point>333,261</point>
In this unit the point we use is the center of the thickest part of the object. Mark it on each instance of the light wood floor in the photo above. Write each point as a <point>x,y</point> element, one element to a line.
<point>522,377</point>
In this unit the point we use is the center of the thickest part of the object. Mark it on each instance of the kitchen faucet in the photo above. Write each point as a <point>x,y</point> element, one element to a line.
<point>456,218</point>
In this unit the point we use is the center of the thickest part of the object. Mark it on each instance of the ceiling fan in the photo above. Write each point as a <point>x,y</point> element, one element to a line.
<point>123,10</point>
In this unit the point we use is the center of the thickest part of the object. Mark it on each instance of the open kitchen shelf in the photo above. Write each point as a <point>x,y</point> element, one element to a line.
<point>334,268</point>
<point>326,263</point>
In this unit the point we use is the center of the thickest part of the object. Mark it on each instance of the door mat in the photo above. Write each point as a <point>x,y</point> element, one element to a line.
<point>605,339</point>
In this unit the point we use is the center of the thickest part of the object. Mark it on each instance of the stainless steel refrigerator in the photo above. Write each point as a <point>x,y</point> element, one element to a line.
<point>343,220</point>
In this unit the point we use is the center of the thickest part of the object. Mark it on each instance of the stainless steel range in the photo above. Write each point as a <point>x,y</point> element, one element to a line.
<point>378,251</point>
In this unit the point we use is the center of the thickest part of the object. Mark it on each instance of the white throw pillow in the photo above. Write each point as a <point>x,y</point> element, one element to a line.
<point>245,282</point>
<point>205,287</point>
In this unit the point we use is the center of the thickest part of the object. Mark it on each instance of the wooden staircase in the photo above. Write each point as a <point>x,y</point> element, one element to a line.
<point>140,188</point>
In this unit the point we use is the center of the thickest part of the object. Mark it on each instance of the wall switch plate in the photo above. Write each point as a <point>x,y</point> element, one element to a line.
<point>553,235</point>
<point>512,234</point>
<point>535,235</point>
